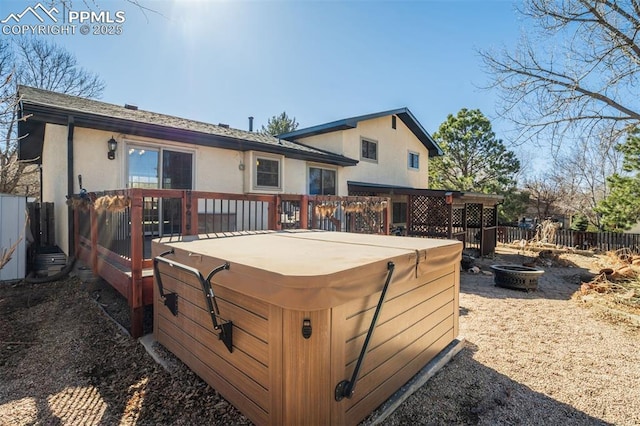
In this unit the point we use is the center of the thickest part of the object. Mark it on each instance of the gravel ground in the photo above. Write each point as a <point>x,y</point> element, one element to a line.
<point>533,358</point>
<point>530,358</point>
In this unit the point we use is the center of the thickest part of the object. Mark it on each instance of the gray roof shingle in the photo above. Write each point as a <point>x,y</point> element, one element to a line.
<point>33,99</point>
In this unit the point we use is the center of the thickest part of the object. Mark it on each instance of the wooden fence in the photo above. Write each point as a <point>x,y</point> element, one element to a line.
<point>601,241</point>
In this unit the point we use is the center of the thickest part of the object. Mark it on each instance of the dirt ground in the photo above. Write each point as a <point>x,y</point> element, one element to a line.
<point>531,358</point>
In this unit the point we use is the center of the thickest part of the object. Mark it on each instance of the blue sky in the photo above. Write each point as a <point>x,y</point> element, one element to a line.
<point>222,61</point>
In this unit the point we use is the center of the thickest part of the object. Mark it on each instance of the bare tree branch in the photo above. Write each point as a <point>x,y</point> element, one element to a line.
<point>39,63</point>
<point>581,72</point>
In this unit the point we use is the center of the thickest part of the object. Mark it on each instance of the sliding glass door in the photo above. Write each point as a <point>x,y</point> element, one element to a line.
<point>154,168</point>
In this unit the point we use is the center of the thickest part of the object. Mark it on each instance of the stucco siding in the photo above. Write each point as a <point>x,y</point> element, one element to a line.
<point>54,179</point>
<point>90,160</point>
<point>295,176</point>
<point>393,149</point>
<point>332,142</point>
<point>393,145</point>
<point>219,170</point>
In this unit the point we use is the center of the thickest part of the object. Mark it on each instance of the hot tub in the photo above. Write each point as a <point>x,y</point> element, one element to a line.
<point>280,333</point>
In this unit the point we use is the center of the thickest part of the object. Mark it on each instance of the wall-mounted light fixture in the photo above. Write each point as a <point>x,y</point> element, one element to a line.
<point>112,145</point>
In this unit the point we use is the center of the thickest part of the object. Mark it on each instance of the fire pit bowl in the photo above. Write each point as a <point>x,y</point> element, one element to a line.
<point>516,277</point>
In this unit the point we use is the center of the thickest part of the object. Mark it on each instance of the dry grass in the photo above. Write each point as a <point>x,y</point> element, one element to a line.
<point>617,286</point>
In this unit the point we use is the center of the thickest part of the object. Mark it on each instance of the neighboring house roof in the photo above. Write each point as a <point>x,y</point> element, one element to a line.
<point>351,123</point>
<point>43,106</point>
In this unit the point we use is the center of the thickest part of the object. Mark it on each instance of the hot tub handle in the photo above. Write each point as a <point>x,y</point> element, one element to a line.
<point>171,299</point>
<point>346,388</point>
<point>226,328</point>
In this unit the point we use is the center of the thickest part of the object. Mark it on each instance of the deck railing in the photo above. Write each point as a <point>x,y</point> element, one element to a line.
<point>114,229</point>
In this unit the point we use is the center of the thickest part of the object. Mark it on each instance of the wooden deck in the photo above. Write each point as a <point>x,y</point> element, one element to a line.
<point>114,229</point>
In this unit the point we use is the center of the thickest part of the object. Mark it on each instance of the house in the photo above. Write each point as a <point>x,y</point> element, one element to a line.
<point>114,147</point>
<point>392,148</point>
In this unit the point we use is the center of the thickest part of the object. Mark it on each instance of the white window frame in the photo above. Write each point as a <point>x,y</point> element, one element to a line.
<point>254,168</point>
<point>373,141</point>
<point>323,167</point>
<point>409,165</point>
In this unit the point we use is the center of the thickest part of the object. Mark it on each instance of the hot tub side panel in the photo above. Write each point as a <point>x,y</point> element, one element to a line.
<point>418,320</point>
<point>250,377</point>
<point>307,395</point>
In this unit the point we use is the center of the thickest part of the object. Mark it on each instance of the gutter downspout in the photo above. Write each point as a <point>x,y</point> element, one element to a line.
<point>70,174</point>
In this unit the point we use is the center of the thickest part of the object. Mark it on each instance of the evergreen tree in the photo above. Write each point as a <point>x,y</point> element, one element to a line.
<point>279,124</point>
<point>514,205</point>
<point>474,160</point>
<point>579,223</point>
<point>620,210</point>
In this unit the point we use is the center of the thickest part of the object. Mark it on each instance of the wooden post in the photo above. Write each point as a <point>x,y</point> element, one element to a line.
<point>277,212</point>
<point>195,227</point>
<point>272,215</point>
<point>186,226</point>
<point>450,218</point>
<point>93,218</point>
<point>495,228</point>
<point>314,219</point>
<point>304,212</point>
<point>387,217</point>
<point>481,229</point>
<point>410,214</point>
<point>135,293</point>
<point>464,226</point>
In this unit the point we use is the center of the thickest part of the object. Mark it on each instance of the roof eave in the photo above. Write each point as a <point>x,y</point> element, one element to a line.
<point>404,114</point>
<point>55,115</point>
<point>414,125</point>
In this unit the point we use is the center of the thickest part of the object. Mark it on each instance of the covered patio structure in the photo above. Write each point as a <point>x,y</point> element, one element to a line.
<point>466,216</point>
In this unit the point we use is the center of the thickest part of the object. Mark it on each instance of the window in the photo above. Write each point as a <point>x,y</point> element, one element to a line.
<point>322,181</point>
<point>413,160</point>
<point>145,168</point>
<point>267,173</point>
<point>399,212</point>
<point>369,150</point>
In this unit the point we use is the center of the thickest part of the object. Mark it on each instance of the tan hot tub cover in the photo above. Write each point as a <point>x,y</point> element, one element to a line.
<point>312,270</point>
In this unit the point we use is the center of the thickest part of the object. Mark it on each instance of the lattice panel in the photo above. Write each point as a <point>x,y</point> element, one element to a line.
<point>474,211</point>
<point>429,215</point>
<point>428,210</point>
<point>419,208</point>
<point>431,231</point>
<point>488,217</point>
<point>458,216</point>
<point>367,222</point>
